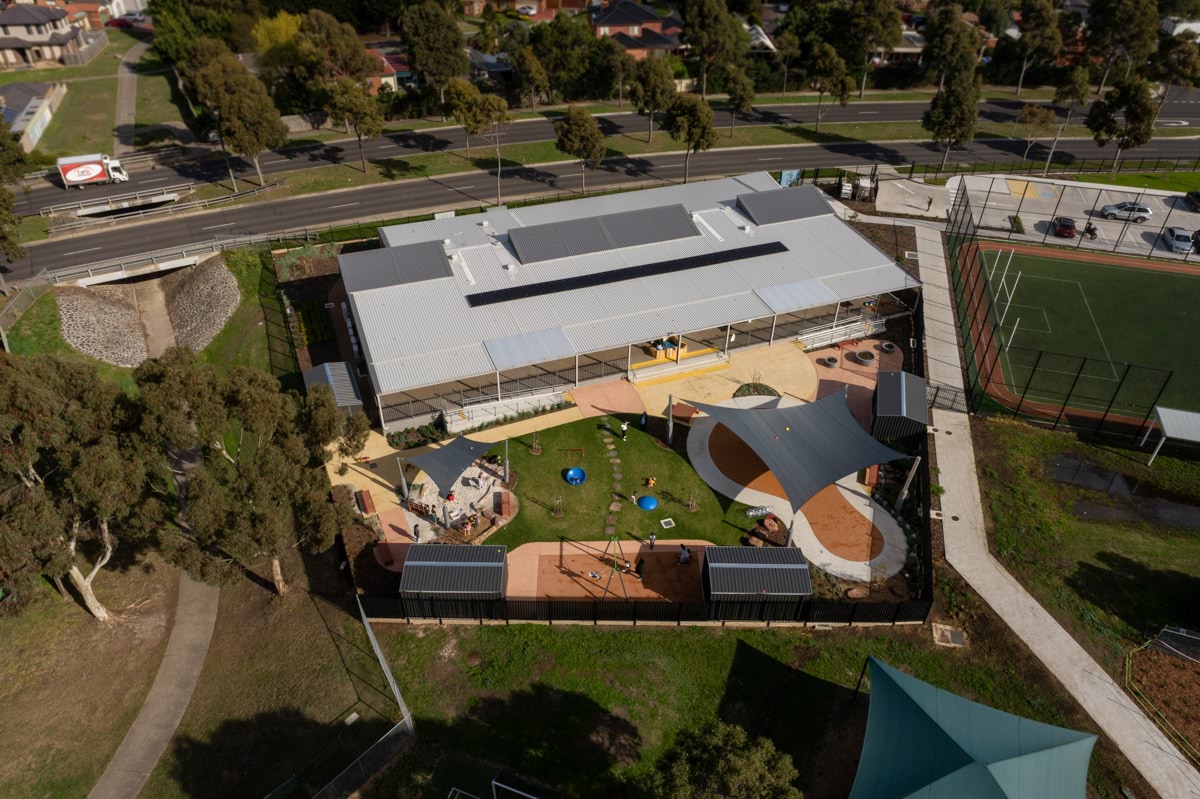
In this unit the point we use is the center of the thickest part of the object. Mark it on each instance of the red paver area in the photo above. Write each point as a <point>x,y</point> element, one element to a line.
<point>397,538</point>
<point>547,570</point>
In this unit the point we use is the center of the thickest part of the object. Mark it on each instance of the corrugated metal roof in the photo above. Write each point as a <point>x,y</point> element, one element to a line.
<point>1180,425</point>
<point>463,231</point>
<point>784,205</point>
<point>394,266</point>
<point>754,571</point>
<point>338,376</point>
<point>901,394</point>
<point>526,348</point>
<point>581,236</point>
<point>869,282</point>
<point>788,297</point>
<point>432,569</point>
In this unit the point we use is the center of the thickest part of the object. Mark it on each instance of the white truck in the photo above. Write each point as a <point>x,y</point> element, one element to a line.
<point>84,170</point>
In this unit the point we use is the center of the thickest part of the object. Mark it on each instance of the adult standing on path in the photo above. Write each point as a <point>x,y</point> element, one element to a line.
<point>126,116</point>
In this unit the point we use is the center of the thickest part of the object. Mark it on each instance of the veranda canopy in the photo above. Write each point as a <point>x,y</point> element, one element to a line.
<point>447,463</point>
<point>929,743</point>
<point>807,447</point>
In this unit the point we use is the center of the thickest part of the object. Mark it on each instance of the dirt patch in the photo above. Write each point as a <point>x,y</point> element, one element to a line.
<point>895,240</point>
<point>587,576</point>
<point>1172,684</point>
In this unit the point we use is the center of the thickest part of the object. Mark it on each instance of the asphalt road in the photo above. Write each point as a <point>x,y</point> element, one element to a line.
<point>391,200</point>
<point>1181,109</point>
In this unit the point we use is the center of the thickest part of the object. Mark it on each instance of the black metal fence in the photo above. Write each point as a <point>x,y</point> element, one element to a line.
<point>640,611</point>
<point>1082,393</point>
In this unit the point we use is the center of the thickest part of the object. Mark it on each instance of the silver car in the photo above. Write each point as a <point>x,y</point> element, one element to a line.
<point>1177,240</point>
<point>1127,210</point>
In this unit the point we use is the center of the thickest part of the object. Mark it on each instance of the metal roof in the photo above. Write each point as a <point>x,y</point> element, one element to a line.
<point>784,205</point>
<point>1179,425</point>
<point>525,348</point>
<point>901,394</point>
<point>469,569</point>
<point>394,266</point>
<point>570,237</point>
<point>338,376</point>
<point>786,297</point>
<point>752,571</point>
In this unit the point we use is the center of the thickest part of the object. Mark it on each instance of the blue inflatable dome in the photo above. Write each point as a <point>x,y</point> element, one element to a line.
<point>647,503</point>
<point>575,476</point>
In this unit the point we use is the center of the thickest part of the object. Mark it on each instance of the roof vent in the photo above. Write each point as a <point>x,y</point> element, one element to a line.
<point>485,223</point>
<point>447,242</point>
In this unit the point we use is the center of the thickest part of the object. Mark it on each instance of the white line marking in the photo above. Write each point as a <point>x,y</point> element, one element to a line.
<point>465,187</point>
<point>343,205</point>
<point>770,159</point>
<point>79,252</point>
<point>214,227</point>
<point>276,161</point>
<point>868,112</point>
<point>156,180</point>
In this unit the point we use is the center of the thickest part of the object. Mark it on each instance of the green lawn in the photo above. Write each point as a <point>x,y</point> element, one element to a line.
<point>1110,313</point>
<point>580,709</point>
<point>84,122</point>
<point>585,507</point>
<point>103,65</point>
<point>158,100</point>
<point>1109,582</point>
<point>38,333</point>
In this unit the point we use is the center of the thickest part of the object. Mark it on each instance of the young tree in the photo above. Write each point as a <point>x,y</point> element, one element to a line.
<point>1125,115</point>
<point>487,40</point>
<point>740,89</point>
<point>654,90</point>
<point>1037,121</point>
<point>350,105</point>
<point>720,761</point>
<point>1121,29</point>
<point>1176,62</point>
<point>579,135</point>
<point>787,49</point>
<point>877,28</point>
<point>689,120</point>
<point>613,67</point>
<point>1074,90</point>
<point>1041,39</point>
<point>274,32</point>
<point>493,112</point>
<point>827,75</point>
<point>435,45</point>
<point>953,113</point>
<point>462,104</point>
<point>249,122</point>
<point>529,77</point>
<point>709,36</point>
<point>951,45</point>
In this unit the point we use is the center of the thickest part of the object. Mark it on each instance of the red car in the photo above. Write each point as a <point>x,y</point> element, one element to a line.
<point>1064,227</point>
<point>118,22</point>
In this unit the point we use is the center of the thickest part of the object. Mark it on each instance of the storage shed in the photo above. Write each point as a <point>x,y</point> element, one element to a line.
<point>340,377</point>
<point>454,571</point>
<point>899,407</point>
<point>769,574</point>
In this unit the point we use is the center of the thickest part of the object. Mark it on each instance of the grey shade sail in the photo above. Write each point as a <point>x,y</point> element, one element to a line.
<point>773,574</point>
<point>807,447</point>
<point>1179,425</point>
<point>338,376</point>
<point>925,742</point>
<point>394,266</point>
<point>900,405</point>
<point>571,237</point>
<point>784,205</point>
<point>454,571</point>
<point>523,349</point>
<point>447,463</point>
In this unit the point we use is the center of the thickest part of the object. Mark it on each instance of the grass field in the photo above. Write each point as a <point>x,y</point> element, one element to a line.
<point>585,507</point>
<point>1111,314</point>
<point>158,100</point>
<point>84,122</point>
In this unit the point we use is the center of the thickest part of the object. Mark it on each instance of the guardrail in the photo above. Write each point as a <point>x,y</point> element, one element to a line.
<point>162,154</point>
<point>116,198</point>
<point>171,209</point>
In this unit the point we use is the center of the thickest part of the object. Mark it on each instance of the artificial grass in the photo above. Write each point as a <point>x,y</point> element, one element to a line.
<point>540,484</point>
<point>1103,312</point>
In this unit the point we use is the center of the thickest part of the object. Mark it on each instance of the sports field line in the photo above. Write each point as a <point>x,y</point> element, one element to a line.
<point>1045,318</point>
<point>1079,256</point>
<point>1095,324</point>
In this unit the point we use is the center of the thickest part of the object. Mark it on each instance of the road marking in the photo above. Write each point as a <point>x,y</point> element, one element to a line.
<point>389,145</point>
<point>343,205</point>
<point>276,161</point>
<point>868,112</point>
<point>156,180</point>
<point>460,188</point>
<point>770,159</point>
<point>214,227</point>
<point>80,252</point>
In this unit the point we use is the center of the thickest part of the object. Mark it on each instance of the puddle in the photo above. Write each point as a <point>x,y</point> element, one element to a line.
<point>1137,503</point>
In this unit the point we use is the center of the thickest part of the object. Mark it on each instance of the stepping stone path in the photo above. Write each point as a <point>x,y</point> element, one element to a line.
<point>618,499</point>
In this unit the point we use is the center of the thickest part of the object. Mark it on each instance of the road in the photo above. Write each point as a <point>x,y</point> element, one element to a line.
<point>1181,107</point>
<point>397,199</point>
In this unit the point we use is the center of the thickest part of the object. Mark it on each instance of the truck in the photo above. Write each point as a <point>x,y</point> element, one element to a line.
<point>85,170</point>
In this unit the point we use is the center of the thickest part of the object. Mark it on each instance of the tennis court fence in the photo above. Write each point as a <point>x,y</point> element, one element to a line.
<point>1092,395</point>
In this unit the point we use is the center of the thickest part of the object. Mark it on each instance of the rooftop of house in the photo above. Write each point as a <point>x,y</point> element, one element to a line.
<point>26,14</point>
<point>623,13</point>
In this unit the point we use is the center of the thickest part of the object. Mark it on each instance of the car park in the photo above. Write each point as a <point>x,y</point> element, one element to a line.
<point>1064,227</point>
<point>1178,240</point>
<point>1131,211</point>
<point>1192,200</point>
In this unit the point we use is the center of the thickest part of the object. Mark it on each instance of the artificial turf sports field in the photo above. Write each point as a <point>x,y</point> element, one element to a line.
<point>1110,310</point>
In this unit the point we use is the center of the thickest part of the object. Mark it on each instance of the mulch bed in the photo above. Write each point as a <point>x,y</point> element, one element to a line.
<point>1172,685</point>
<point>895,240</point>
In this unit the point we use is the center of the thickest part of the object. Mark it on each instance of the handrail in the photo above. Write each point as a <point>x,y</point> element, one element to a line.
<point>99,201</point>
<point>170,209</point>
<point>176,150</point>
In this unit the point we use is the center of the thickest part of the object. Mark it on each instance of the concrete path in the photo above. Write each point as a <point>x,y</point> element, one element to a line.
<point>178,674</point>
<point>126,118</point>
<point>967,550</point>
<point>156,322</point>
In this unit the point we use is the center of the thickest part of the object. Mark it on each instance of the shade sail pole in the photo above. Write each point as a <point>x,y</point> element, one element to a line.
<point>403,480</point>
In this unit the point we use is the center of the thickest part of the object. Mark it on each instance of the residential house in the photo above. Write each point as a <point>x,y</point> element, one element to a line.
<point>96,12</point>
<point>28,109</point>
<point>637,28</point>
<point>493,66</point>
<point>32,35</point>
<point>760,40</point>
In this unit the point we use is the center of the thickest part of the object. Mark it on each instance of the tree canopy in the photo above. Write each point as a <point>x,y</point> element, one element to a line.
<point>579,135</point>
<point>563,47</point>
<point>740,90</point>
<point>1041,39</point>
<point>249,122</point>
<point>953,113</point>
<point>876,27</point>
<point>1124,115</point>
<point>350,105</point>
<point>708,33</point>
<point>720,761</point>
<point>435,45</point>
<point>827,75</point>
<point>653,91</point>
<point>951,45</point>
<point>689,120</point>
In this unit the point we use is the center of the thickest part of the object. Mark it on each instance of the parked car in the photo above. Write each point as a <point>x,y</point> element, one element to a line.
<point>1064,227</point>
<point>1178,240</point>
<point>119,22</point>
<point>1192,200</point>
<point>136,17</point>
<point>527,11</point>
<point>1127,210</point>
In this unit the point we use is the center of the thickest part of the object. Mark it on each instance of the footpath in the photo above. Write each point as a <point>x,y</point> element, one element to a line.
<point>1138,738</point>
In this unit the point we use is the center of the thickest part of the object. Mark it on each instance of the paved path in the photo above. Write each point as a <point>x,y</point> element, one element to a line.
<point>156,322</point>
<point>967,551</point>
<point>126,118</point>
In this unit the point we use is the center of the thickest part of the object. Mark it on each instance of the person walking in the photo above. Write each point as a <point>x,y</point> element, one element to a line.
<point>929,203</point>
<point>416,533</point>
<point>633,497</point>
<point>624,430</point>
<point>653,538</point>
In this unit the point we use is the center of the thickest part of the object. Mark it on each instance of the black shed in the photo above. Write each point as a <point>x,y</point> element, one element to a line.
<point>454,571</point>
<point>767,574</point>
<point>899,407</point>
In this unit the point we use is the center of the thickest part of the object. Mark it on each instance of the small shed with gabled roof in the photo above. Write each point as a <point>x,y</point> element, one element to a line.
<point>899,407</point>
<point>751,574</point>
<point>454,571</point>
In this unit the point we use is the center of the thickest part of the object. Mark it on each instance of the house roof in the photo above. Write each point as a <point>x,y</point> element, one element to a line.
<point>28,14</point>
<point>422,333</point>
<point>653,40</point>
<point>339,377</point>
<point>625,12</point>
<point>16,96</point>
<point>769,573</point>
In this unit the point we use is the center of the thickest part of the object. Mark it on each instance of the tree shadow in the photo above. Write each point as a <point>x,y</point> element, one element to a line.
<point>1142,597</point>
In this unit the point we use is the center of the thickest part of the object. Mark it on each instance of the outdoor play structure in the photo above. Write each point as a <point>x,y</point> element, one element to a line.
<point>575,475</point>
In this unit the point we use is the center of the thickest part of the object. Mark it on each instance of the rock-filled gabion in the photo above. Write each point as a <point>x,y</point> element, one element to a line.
<point>103,322</point>
<point>200,300</point>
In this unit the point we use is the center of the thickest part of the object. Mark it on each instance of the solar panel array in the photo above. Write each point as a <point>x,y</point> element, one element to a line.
<point>628,273</point>
<point>784,205</point>
<point>393,266</point>
<point>555,240</point>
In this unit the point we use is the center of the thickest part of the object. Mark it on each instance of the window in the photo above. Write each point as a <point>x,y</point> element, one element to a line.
<point>604,30</point>
<point>635,30</point>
